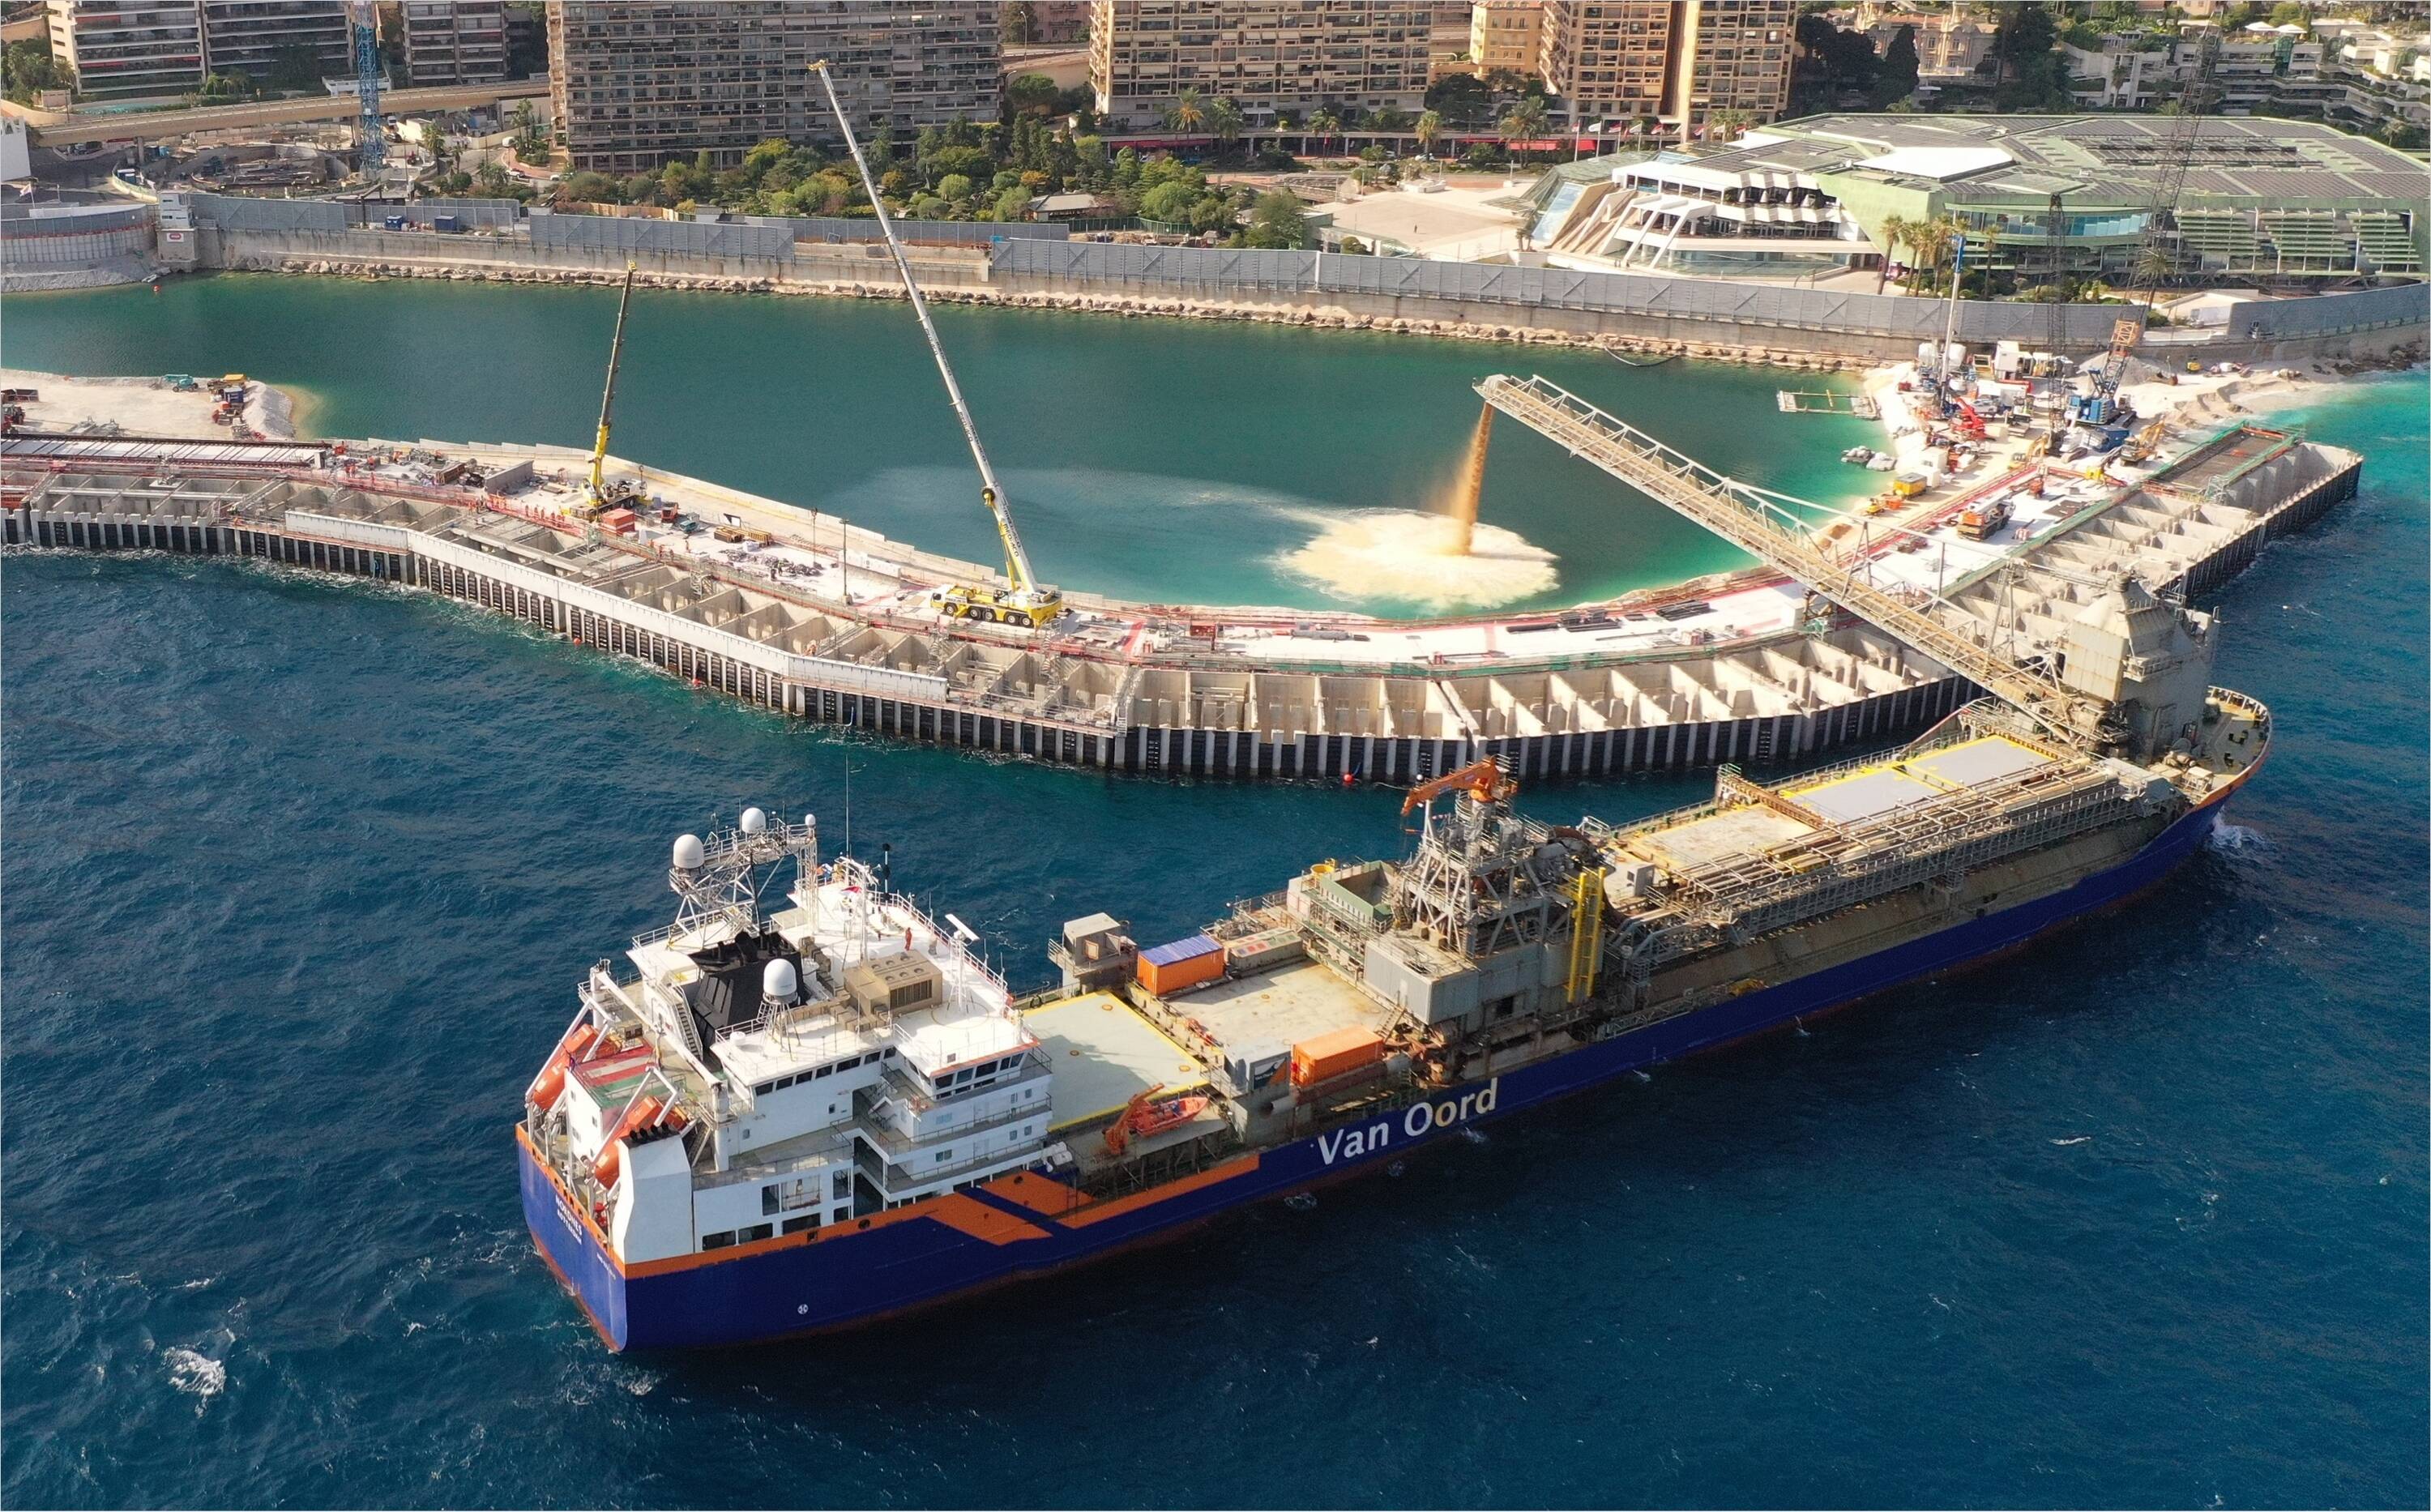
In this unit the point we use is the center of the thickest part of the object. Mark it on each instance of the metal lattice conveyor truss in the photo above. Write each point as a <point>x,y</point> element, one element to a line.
<point>1752,520</point>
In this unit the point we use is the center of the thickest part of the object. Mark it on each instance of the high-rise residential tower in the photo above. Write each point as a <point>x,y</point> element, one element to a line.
<point>638,82</point>
<point>1264,56</point>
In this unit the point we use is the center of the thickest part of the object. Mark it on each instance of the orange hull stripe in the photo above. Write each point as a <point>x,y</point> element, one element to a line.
<point>966,1215</point>
<point>1050,1199</point>
<point>1154,1195</point>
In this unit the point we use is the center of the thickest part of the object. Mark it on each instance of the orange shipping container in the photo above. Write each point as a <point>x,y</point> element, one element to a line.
<point>1179,966</point>
<point>1333,1054</point>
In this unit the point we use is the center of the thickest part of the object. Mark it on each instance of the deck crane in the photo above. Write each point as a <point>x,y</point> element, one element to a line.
<point>1026,600</point>
<point>2096,699</point>
<point>2101,406</point>
<point>597,498</point>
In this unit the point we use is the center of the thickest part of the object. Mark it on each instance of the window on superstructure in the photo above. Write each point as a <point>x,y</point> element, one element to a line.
<point>842,1185</point>
<point>824,1070</point>
<point>717,1241</point>
<point>757,1231</point>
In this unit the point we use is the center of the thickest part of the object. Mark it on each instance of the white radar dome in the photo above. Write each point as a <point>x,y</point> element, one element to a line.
<point>755,821</point>
<point>689,853</point>
<point>779,979</point>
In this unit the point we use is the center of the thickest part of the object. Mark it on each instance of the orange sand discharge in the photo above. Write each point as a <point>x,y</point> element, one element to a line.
<point>1441,559</point>
<point>1464,499</point>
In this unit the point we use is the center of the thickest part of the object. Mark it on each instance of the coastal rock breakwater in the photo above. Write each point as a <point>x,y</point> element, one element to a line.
<point>1304,316</point>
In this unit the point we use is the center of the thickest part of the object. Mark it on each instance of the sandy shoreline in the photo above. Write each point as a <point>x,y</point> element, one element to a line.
<point>148,406</point>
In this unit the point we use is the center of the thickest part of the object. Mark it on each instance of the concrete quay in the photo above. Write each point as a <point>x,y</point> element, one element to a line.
<point>826,621</point>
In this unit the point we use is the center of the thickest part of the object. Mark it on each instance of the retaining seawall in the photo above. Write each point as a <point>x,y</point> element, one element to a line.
<point>1803,329</point>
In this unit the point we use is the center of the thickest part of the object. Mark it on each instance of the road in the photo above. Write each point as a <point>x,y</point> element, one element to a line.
<point>158,126</point>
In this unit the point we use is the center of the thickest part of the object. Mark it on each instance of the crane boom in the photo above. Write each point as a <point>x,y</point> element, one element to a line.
<point>607,399</point>
<point>1742,517</point>
<point>1016,560</point>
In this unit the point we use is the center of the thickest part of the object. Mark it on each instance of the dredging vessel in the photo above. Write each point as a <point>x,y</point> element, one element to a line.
<point>772,1122</point>
<point>775,1120</point>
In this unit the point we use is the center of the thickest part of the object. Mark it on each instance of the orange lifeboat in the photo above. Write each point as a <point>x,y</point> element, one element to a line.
<point>551,1079</point>
<point>610,1163</point>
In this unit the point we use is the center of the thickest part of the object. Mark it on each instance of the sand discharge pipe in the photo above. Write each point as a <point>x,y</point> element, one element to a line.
<point>1472,484</point>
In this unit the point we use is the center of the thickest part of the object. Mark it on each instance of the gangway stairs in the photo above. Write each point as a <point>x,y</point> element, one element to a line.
<point>1752,520</point>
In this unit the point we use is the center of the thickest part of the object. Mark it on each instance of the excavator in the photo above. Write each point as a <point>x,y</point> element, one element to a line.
<point>1024,600</point>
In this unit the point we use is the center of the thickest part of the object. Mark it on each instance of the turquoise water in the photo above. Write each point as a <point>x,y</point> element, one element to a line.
<point>1153,458</point>
<point>300,875</point>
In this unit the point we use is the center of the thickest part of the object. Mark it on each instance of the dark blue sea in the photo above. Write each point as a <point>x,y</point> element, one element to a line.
<point>299,877</point>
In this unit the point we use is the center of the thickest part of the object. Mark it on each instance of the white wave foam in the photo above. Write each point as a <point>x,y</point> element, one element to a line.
<point>2227,836</point>
<point>197,1375</point>
<point>1403,556</point>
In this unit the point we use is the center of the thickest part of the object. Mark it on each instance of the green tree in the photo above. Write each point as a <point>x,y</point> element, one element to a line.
<point>1013,204</point>
<point>1896,79</point>
<point>1429,130</point>
<point>1225,123</point>
<point>590,187</point>
<point>1189,112</point>
<point>29,69</point>
<point>1896,230</point>
<point>1276,221</point>
<point>1169,202</point>
<point>2289,13</point>
<point>1032,95</point>
<point>1325,125</point>
<point>956,187</point>
<point>1524,122</point>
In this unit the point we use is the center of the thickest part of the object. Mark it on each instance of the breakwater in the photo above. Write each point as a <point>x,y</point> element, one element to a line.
<point>1117,693</point>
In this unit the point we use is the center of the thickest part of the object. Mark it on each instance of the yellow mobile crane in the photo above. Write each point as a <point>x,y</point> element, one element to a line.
<point>597,499</point>
<point>1027,602</point>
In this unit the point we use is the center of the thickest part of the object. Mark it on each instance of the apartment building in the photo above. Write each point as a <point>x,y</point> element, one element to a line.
<point>455,41</point>
<point>256,37</point>
<point>2348,73</point>
<point>638,82</point>
<point>1506,36</point>
<point>123,48</point>
<point>1676,65</point>
<point>1265,56</point>
<point>1949,47</point>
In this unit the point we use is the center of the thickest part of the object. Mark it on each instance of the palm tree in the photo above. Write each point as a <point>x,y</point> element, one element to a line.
<point>2152,264</point>
<point>1189,112</point>
<point>1430,128</point>
<point>1325,123</point>
<point>1224,118</point>
<point>1896,230</point>
<point>1526,121</point>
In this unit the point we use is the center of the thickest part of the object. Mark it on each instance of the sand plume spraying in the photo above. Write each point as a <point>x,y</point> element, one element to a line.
<point>1409,557</point>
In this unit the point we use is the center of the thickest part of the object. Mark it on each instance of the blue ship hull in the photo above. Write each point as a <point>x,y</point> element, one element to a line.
<point>858,1271</point>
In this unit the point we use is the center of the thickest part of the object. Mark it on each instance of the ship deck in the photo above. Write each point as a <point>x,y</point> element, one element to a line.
<point>1104,1054</point>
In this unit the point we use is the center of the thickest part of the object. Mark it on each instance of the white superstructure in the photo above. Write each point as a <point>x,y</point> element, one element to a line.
<point>757,1074</point>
